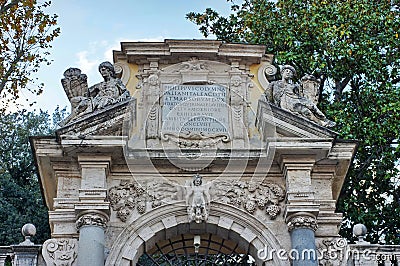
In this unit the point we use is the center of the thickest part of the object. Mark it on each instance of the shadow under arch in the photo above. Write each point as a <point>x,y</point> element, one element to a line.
<point>166,221</point>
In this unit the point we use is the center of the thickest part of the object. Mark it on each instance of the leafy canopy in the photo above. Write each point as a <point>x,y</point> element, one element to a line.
<point>353,47</point>
<point>26,32</point>
<point>20,197</point>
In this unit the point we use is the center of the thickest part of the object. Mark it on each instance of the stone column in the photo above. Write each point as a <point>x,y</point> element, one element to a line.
<point>93,210</point>
<point>301,211</point>
<point>91,227</point>
<point>302,228</point>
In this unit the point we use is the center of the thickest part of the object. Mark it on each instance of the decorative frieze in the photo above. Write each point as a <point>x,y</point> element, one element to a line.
<point>60,252</point>
<point>92,219</point>
<point>249,196</point>
<point>130,196</point>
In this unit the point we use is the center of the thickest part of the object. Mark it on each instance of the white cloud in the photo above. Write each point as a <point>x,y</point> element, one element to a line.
<point>84,63</point>
<point>116,45</point>
<point>89,59</point>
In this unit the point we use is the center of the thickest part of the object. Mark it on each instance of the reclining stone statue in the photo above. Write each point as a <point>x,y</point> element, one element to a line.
<point>296,98</point>
<point>85,100</point>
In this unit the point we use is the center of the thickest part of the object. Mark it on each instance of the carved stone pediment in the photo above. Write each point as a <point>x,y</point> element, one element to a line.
<point>273,122</point>
<point>109,121</point>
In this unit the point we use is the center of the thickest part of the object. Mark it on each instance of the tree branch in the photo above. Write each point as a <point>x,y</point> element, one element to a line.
<point>6,7</point>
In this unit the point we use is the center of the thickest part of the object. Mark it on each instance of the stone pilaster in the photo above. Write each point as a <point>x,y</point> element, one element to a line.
<point>92,211</point>
<point>301,210</point>
<point>26,255</point>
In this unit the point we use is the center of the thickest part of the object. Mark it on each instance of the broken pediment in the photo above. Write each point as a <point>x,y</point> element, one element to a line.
<point>193,94</point>
<point>109,121</point>
<point>275,122</point>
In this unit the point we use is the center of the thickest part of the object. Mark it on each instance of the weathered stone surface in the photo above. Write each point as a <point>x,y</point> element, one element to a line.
<point>60,252</point>
<point>124,170</point>
<point>300,99</point>
<point>85,100</point>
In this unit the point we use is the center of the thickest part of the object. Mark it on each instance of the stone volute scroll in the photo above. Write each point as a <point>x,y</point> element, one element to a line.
<point>60,252</point>
<point>300,99</point>
<point>84,99</point>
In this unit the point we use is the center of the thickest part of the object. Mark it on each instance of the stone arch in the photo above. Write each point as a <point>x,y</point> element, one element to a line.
<point>169,220</point>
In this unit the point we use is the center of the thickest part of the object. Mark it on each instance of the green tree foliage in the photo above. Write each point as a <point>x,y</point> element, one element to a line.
<point>20,196</point>
<point>26,32</point>
<point>353,47</point>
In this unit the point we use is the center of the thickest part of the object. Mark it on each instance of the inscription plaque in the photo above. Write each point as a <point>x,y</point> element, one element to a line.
<point>195,108</point>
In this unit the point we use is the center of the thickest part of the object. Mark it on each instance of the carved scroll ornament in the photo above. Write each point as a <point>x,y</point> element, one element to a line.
<point>195,139</point>
<point>60,252</point>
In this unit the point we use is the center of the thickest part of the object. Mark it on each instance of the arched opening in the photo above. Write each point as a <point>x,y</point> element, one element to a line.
<point>190,249</point>
<point>229,228</point>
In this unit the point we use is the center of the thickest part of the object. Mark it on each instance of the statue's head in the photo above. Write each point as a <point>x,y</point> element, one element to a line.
<point>197,180</point>
<point>153,79</point>
<point>236,80</point>
<point>288,67</point>
<point>110,67</point>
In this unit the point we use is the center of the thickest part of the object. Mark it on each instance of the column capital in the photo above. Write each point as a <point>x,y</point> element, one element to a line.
<point>302,220</point>
<point>92,218</point>
<point>296,162</point>
<point>92,161</point>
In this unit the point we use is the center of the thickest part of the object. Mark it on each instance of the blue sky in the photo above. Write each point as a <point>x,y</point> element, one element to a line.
<point>91,29</point>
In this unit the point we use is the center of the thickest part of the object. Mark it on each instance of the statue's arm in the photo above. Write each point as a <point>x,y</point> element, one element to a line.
<point>93,90</point>
<point>123,91</point>
<point>269,92</point>
<point>296,89</point>
<point>207,196</point>
<point>189,192</point>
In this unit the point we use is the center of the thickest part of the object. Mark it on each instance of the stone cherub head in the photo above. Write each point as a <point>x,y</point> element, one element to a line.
<point>197,180</point>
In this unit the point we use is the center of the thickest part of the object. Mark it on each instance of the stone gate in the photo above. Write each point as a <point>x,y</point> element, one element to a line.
<point>192,150</point>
